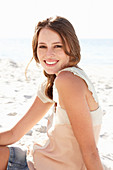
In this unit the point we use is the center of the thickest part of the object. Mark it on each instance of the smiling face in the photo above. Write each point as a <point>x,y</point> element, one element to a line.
<point>50,51</point>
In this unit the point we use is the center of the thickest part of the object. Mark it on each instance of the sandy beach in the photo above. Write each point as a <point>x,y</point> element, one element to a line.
<point>17,94</point>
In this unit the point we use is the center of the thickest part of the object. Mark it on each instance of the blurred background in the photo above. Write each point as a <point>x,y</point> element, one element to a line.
<point>92,20</point>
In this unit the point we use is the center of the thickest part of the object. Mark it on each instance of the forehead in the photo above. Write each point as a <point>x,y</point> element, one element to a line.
<point>48,35</point>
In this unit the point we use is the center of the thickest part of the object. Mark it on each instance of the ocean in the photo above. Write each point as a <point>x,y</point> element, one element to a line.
<point>93,51</point>
<point>97,51</point>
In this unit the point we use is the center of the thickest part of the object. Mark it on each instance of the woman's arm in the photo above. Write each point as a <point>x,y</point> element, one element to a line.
<point>72,97</point>
<point>34,114</point>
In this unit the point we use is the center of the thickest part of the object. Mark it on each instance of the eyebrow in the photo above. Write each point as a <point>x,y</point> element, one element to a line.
<point>52,43</point>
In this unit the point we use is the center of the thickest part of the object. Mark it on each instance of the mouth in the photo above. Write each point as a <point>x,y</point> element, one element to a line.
<point>51,63</point>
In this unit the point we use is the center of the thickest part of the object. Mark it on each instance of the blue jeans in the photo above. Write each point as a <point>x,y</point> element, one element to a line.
<point>17,159</point>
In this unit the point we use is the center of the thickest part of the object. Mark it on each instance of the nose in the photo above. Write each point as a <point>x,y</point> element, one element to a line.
<point>49,52</point>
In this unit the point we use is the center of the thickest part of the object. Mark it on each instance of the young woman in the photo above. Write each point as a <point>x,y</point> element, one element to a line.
<point>73,128</point>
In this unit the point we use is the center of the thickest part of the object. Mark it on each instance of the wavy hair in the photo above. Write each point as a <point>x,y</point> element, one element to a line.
<point>67,33</point>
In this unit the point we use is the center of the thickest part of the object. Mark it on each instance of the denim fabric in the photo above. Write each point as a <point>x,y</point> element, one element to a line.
<point>17,159</point>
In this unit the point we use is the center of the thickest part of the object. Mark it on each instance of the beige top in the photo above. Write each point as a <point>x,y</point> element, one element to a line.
<point>61,151</point>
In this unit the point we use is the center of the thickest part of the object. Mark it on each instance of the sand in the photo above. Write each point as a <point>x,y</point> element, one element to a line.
<point>17,95</point>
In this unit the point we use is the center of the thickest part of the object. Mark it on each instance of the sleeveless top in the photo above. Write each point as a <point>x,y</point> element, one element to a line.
<point>61,150</point>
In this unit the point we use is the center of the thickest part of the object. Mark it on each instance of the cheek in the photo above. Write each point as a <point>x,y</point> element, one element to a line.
<point>39,57</point>
<point>67,59</point>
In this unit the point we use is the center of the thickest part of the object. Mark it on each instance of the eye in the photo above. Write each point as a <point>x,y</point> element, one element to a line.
<point>42,46</point>
<point>58,46</point>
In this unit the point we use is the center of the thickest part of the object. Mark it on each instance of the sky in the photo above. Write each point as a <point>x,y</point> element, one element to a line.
<point>90,18</point>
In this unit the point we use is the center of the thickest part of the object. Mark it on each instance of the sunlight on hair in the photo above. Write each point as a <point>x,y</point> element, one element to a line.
<point>27,68</point>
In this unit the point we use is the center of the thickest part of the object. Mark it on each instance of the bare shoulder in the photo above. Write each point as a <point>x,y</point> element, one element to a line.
<point>67,80</point>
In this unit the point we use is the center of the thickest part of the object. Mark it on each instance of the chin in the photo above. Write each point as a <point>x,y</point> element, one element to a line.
<point>51,72</point>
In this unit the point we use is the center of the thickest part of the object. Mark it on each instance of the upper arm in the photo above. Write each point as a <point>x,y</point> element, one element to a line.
<point>34,114</point>
<point>72,97</point>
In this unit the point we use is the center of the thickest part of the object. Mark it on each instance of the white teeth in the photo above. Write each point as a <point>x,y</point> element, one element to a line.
<point>52,62</point>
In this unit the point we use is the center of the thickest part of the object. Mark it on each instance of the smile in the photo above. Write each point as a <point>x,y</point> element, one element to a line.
<point>51,62</point>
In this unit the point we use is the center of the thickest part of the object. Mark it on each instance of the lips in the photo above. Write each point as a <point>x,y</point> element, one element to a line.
<point>51,62</point>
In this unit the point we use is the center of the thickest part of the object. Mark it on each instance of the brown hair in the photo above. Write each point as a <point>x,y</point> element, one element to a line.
<point>67,33</point>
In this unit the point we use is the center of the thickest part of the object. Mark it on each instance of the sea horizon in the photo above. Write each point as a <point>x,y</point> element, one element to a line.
<point>93,50</point>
